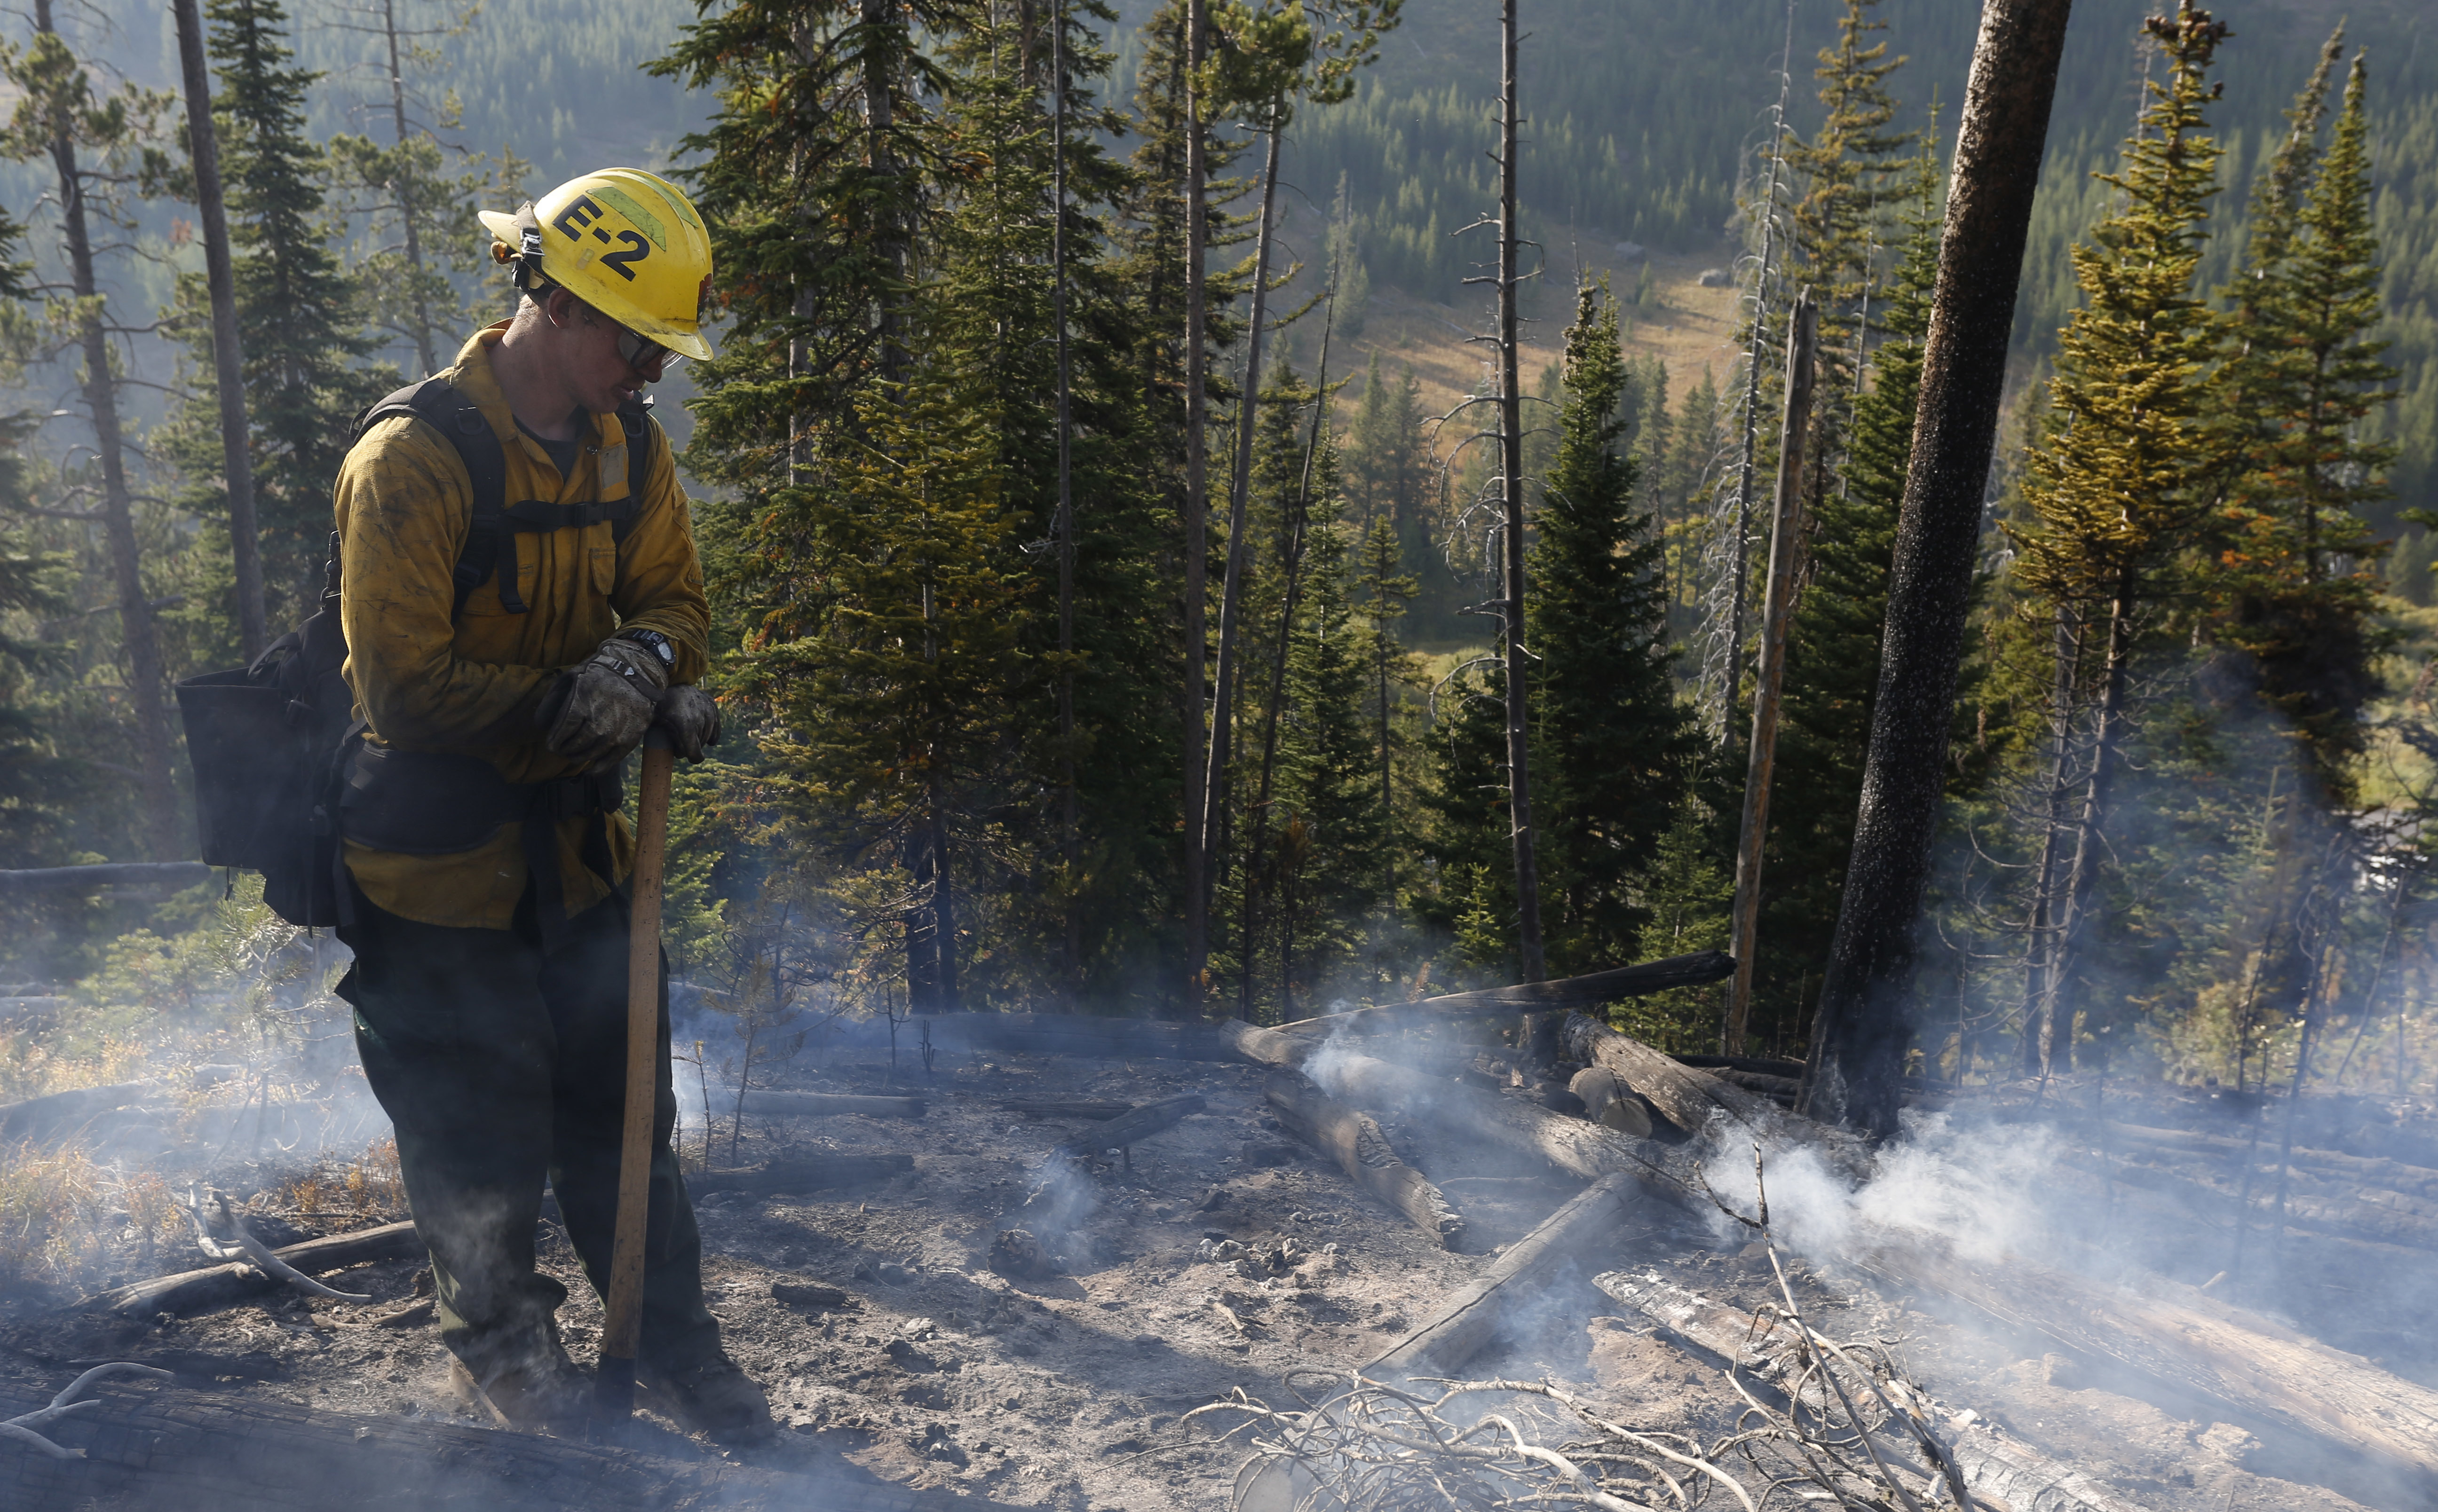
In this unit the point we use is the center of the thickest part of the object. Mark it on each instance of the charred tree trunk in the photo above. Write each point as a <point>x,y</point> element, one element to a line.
<point>1784,538</point>
<point>145,672</point>
<point>1530,963</point>
<point>1862,1026</point>
<point>1214,781</point>
<point>228,351</point>
<point>1743,564</point>
<point>1068,852</point>
<point>1197,547</point>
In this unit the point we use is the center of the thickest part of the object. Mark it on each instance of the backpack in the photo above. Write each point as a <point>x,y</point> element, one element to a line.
<point>273,744</point>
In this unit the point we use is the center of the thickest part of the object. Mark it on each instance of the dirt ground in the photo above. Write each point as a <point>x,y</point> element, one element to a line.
<point>1068,1392</point>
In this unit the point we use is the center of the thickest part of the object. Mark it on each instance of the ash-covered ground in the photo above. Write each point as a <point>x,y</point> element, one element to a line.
<point>1070,1390</point>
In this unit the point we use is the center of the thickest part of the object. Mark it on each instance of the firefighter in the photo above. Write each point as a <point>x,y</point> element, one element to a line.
<point>504,659</point>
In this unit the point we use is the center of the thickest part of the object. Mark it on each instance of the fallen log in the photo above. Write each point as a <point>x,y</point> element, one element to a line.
<point>41,1118</point>
<point>1130,1128</point>
<point>1071,1034</point>
<point>1607,1103</point>
<point>219,1451</point>
<point>1364,1153</point>
<point>1064,1108</point>
<point>829,1105</point>
<point>1695,970</point>
<point>2365,1170</point>
<point>1695,1101</point>
<point>1589,1228</point>
<point>220,1284</point>
<point>2256,1371</point>
<point>2311,1205</point>
<point>817,1174</point>
<point>1764,1347</point>
<point>36,880</point>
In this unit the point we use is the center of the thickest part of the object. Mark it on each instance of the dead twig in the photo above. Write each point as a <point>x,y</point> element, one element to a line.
<point>21,1428</point>
<point>255,1252</point>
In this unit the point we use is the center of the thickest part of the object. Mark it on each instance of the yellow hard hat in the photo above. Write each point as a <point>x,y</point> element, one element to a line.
<point>626,242</point>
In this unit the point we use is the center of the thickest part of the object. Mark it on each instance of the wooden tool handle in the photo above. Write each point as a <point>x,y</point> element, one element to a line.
<point>622,1328</point>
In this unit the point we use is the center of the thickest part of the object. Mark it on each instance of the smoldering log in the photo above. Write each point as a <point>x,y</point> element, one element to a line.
<point>220,1284</point>
<point>1764,1348</point>
<point>1355,1142</point>
<point>2364,1171</point>
<point>2312,1203</point>
<point>829,1105</point>
<point>1139,1124</point>
<point>1608,1102</point>
<point>1692,1099</point>
<point>2239,1363</point>
<point>1701,967</point>
<point>1575,1145</point>
<point>1587,1230</point>
<point>224,1453</point>
<point>816,1174</point>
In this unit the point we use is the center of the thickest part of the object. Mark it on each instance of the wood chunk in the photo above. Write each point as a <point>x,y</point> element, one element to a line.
<point>1144,1123</point>
<point>1694,1100</point>
<point>829,1105</point>
<point>220,1284</point>
<point>203,1451</point>
<point>1589,1230</point>
<point>1568,992</point>
<point>809,1295</point>
<point>1607,1101</point>
<point>815,1173</point>
<point>1355,1142</point>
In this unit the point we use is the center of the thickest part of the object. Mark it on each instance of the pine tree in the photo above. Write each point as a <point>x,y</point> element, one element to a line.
<point>1610,737</point>
<point>2116,487</point>
<point>304,337</point>
<point>2295,568</point>
<point>1329,848</point>
<point>1386,592</point>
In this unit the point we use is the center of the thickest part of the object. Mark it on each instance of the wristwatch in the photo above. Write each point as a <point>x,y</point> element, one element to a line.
<point>661,645</point>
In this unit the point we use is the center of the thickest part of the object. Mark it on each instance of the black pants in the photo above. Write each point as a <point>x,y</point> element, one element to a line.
<point>503,1067</point>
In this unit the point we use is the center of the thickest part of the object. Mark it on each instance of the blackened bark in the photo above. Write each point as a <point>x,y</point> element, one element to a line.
<point>1531,967</point>
<point>1860,1034</point>
<point>1197,545</point>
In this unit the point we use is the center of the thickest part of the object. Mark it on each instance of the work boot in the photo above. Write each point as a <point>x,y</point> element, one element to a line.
<point>713,1397</point>
<point>521,1376</point>
<point>541,1397</point>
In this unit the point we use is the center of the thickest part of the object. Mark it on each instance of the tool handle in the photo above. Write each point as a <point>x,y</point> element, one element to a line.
<point>622,1326</point>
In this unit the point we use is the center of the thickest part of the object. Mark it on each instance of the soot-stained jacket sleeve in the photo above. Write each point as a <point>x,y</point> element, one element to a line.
<point>403,505</point>
<point>660,578</point>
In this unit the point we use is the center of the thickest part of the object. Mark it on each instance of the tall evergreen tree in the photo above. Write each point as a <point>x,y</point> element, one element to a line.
<point>2117,485</point>
<point>1330,833</point>
<point>1611,738</point>
<point>2296,563</point>
<point>305,343</point>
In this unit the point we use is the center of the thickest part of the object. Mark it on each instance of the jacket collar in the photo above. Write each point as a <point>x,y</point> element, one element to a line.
<point>472,377</point>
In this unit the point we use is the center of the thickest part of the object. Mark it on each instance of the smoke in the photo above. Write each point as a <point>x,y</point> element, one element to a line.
<point>1966,1182</point>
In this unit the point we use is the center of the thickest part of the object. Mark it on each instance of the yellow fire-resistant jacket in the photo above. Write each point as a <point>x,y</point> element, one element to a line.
<point>404,505</point>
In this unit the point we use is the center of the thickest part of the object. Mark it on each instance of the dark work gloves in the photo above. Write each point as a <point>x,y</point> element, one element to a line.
<point>598,710</point>
<point>692,719</point>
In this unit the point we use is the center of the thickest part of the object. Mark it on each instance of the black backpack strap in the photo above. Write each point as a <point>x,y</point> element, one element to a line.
<point>490,535</point>
<point>635,417</point>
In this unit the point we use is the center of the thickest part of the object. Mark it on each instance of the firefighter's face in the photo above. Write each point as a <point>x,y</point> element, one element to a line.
<point>602,362</point>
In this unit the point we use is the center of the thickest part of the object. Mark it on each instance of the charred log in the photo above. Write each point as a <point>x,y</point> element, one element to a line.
<point>220,1284</point>
<point>1702,966</point>
<point>1355,1142</point>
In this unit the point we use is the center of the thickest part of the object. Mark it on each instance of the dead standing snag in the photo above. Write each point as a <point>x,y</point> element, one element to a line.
<point>1860,1030</point>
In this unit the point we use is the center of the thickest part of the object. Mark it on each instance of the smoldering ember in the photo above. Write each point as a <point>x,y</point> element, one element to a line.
<point>1289,756</point>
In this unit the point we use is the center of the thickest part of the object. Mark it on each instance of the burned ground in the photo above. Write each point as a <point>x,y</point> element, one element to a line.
<point>1216,1257</point>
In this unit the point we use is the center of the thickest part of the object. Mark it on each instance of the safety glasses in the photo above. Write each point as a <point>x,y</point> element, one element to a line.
<point>645,356</point>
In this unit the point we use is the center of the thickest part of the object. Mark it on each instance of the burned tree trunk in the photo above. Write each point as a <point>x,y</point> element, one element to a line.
<point>1355,1142</point>
<point>1859,1034</point>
